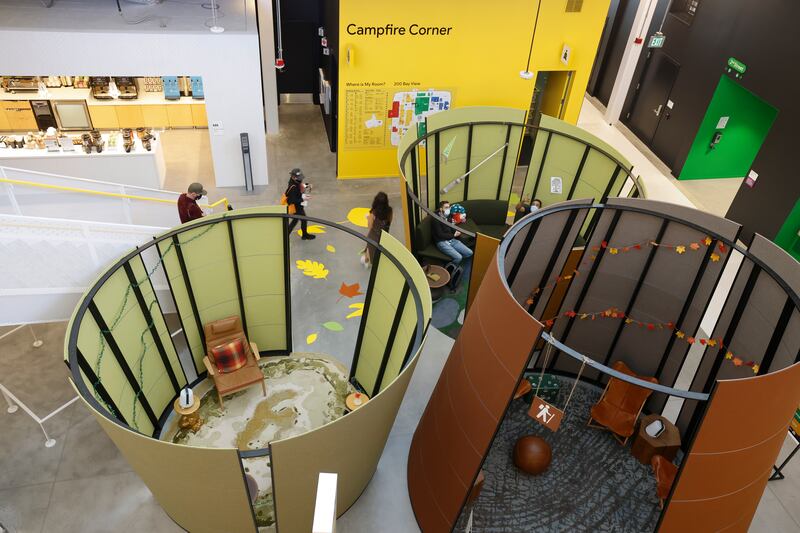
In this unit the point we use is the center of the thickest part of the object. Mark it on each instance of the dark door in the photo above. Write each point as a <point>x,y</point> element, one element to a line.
<point>652,96</point>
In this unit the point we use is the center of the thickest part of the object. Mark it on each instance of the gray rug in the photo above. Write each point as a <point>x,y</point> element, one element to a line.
<point>592,484</point>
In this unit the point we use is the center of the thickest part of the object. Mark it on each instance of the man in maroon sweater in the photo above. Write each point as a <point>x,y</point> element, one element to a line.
<point>187,203</point>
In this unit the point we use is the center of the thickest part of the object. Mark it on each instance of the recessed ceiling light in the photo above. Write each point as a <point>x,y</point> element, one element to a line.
<point>216,29</point>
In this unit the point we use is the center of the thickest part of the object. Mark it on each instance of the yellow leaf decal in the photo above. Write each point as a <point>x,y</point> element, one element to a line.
<point>313,228</point>
<point>359,310</point>
<point>312,269</point>
<point>358,216</point>
<point>331,249</point>
<point>311,338</point>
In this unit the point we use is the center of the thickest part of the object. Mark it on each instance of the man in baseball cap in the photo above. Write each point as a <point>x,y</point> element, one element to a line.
<point>187,203</point>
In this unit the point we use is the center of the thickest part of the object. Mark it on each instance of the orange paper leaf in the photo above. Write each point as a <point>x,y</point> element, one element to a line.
<point>350,291</point>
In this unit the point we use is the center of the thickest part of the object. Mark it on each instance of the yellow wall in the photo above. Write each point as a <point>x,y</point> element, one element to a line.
<point>478,62</point>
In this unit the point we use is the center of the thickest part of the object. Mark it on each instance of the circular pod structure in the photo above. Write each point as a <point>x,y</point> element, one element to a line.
<point>657,298</point>
<point>143,332</point>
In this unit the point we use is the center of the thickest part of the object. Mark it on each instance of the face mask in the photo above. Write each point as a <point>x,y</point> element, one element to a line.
<point>446,211</point>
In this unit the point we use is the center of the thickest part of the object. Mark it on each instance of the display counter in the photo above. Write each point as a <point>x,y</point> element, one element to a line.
<point>149,110</point>
<point>139,167</point>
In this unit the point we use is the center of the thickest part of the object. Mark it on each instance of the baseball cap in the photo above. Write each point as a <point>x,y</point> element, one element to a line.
<point>197,188</point>
<point>296,172</point>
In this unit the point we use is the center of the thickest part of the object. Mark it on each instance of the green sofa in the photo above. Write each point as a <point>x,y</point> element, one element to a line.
<point>483,216</point>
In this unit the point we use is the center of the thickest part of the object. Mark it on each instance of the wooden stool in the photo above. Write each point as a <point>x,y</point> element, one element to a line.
<point>355,400</point>
<point>190,417</point>
<point>667,444</point>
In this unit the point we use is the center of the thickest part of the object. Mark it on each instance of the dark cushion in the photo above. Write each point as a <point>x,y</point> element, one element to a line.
<point>486,212</point>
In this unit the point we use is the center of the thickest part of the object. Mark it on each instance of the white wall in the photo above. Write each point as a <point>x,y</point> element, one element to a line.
<point>229,64</point>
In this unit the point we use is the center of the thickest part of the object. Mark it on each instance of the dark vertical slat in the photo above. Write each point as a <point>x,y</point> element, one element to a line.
<point>733,324</point>
<point>390,340</point>
<point>588,283</point>
<point>687,304</point>
<point>148,318</point>
<point>642,276</point>
<point>436,167</point>
<point>535,191</point>
<point>232,241</point>
<point>777,335</point>
<point>287,286</point>
<point>363,325</point>
<point>179,254</point>
<point>610,184</point>
<point>578,172</point>
<point>123,364</point>
<point>468,163</point>
<point>177,312</point>
<point>554,256</point>
<point>503,164</point>
<point>523,251</point>
<point>163,316</point>
<point>98,386</point>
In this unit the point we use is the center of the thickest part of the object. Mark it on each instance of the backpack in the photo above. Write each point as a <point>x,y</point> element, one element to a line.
<point>456,273</point>
<point>290,208</point>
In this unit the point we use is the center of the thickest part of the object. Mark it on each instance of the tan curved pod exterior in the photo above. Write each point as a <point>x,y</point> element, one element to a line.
<point>349,446</point>
<point>201,489</point>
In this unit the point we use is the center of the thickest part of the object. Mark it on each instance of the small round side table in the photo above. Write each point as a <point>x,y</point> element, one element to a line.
<point>437,277</point>
<point>644,446</point>
<point>355,400</point>
<point>190,416</point>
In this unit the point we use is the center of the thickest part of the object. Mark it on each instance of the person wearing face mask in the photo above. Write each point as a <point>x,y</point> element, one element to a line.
<point>187,203</point>
<point>446,238</point>
<point>297,196</point>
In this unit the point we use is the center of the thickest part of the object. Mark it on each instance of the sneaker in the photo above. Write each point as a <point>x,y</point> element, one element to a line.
<point>308,237</point>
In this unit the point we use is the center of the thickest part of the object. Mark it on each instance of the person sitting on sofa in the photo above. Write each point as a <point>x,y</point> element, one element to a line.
<point>446,238</point>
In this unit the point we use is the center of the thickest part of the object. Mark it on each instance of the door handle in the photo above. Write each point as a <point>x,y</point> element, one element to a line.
<point>658,111</point>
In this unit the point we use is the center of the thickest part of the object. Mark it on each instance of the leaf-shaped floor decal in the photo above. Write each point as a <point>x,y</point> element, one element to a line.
<point>311,339</point>
<point>312,228</point>
<point>312,269</point>
<point>359,310</point>
<point>333,326</point>
<point>331,249</point>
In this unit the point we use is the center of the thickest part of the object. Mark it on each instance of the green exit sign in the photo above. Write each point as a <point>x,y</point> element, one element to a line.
<point>656,40</point>
<point>737,66</point>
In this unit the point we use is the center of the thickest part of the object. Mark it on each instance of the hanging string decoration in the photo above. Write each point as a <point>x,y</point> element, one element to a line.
<point>614,313</point>
<point>144,346</point>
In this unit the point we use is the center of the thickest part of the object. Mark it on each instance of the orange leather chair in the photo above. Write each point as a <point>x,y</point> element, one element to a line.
<point>222,332</point>
<point>664,471</point>
<point>620,405</point>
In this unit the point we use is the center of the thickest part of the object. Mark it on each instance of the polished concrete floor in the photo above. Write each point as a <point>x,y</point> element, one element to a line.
<point>82,484</point>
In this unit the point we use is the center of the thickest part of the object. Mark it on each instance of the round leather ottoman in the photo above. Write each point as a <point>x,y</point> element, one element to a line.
<point>532,454</point>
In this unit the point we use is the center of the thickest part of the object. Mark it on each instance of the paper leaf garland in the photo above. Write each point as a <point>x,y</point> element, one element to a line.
<point>350,291</point>
<point>333,326</point>
<point>359,310</point>
<point>311,339</point>
<point>313,228</point>
<point>312,269</point>
<point>331,249</point>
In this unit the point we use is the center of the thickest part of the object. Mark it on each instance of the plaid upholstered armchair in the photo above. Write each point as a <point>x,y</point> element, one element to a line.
<point>231,361</point>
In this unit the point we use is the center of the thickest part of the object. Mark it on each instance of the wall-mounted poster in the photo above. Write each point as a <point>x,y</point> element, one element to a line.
<point>409,109</point>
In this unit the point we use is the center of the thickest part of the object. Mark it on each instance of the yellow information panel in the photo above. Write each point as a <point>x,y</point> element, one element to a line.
<point>400,63</point>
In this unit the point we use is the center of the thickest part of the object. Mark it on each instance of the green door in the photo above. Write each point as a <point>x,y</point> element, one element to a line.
<point>742,120</point>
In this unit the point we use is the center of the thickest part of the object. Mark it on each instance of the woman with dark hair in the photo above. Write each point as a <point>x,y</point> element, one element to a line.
<point>379,219</point>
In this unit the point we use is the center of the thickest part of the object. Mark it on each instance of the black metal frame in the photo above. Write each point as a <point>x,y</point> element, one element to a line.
<point>235,259</point>
<point>189,290</point>
<point>362,326</point>
<point>778,474</point>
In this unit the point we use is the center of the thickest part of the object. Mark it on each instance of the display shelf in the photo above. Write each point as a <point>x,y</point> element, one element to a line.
<point>70,93</point>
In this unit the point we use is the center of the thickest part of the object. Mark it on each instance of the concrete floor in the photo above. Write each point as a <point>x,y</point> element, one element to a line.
<point>82,484</point>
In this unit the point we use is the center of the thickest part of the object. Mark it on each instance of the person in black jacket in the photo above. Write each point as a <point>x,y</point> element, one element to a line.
<point>296,196</point>
<point>446,238</point>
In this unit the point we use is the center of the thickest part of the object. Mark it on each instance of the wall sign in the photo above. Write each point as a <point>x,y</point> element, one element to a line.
<point>556,185</point>
<point>565,53</point>
<point>751,178</point>
<point>656,40</point>
<point>722,122</point>
<point>736,66</point>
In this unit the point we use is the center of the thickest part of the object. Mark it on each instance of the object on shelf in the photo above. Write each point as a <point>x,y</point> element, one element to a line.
<point>171,90</point>
<point>11,141</point>
<point>152,84</point>
<point>66,81</point>
<point>19,84</point>
<point>127,139</point>
<point>86,141</point>
<point>146,136</point>
<point>97,141</point>
<point>127,87</point>
<point>100,87</point>
<point>113,139</point>
<point>66,143</point>
<point>184,85</point>
<point>51,140</point>
<point>80,82</point>
<point>197,87</point>
<point>52,81</point>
